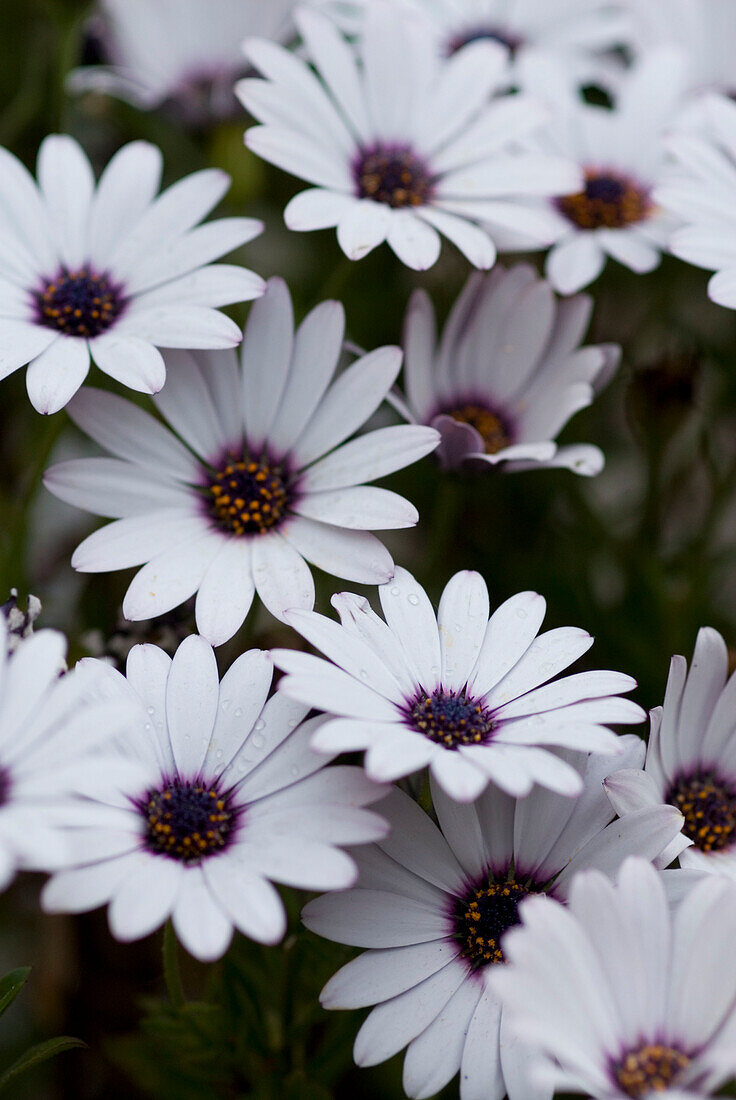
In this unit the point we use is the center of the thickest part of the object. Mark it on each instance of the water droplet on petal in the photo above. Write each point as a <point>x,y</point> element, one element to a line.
<point>238,712</point>
<point>395,591</point>
<point>151,710</point>
<point>258,740</point>
<point>260,725</point>
<point>413,599</point>
<point>521,614</point>
<point>226,704</point>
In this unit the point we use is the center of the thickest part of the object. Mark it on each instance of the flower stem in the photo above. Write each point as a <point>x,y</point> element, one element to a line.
<point>172,974</point>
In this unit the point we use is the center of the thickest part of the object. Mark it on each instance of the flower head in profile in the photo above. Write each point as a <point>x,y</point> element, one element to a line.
<point>212,795</point>
<point>111,270</point>
<point>472,697</point>
<point>400,144</point>
<point>50,728</point>
<point>698,190</point>
<point>621,153</point>
<point>433,906</point>
<point>624,997</point>
<point>507,373</point>
<point>179,52</point>
<point>258,479</point>
<point>691,759</point>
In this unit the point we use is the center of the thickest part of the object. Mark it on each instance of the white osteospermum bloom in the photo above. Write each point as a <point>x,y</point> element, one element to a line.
<point>626,998</point>
<point>507,373</point>
<point>213,795</point>
<point>699,191</point>
<point>405,145</point>
<point>454,690</point>
<point>49,726</point>
<point>434,907</point>
<point>262,481</point>
<point>181,51</point>
<point>691,758</point>
<point>621,153</point>
<point>112,270</point>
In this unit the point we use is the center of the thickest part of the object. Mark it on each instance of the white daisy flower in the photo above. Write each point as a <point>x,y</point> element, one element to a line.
<point>621,153</point>
<point>49,726</point>
<point>691,758</point>
<point>404,145</point>
<point>507,373</point>
<point>180,51</point>
<point>262,481</point>
<point>699,189</point>
<point>112,270</point>
<point>213,796</point>
<point>626,998</point>
<point>19,623</point>
<point>454,690</point>
<point>434,907</point>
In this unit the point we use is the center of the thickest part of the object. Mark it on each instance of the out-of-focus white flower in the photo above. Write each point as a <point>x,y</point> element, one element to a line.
<point>691,760</point>
<point>185,52</point>
<point>50,725</point>
<point>262,480</point>
<point>577,32</point>
<point>706,35</point>
<point>621,153</point>
<point>112,271</point>
<point>456,690</point>
<point>402,145</point>
<point>625,998</point>
<point>212,795</point>
<point>19,623</point>
<point>699,190</point>
<point>507,373</point>
<point>434,907</point>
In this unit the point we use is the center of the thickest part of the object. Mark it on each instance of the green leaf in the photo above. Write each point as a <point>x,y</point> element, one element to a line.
<point>40,1053</point>
<point>11,985</point>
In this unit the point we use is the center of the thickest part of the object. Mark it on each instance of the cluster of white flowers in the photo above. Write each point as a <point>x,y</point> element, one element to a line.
<point>168,792</point>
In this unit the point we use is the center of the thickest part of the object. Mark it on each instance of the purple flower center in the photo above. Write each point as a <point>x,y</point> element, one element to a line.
<point>451,719</point>
<point>610,200</point>
<point>394,175</point>
<point>482,917</point>
<point>187,821</point>
<point>649,1069</point>
<point>79,303</point>
<point>708,804</point>
<point>484,33</point>
<point>248,497</point>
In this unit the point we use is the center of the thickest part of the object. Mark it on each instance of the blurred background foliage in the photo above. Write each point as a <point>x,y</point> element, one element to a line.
<point>641,556</point>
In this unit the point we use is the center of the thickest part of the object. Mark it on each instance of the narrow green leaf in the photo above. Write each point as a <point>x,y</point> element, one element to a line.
<point>11,985</point>
<point>40,1053</point>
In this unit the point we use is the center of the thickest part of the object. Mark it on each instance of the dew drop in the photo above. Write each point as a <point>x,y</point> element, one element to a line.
<point>258,740</point>
<point>151,710</point>
<point>413,599</point>
<point>521,614</point>
<point>226,704</point>
<point>295,771</point>
<point>238,712</point>
<point>260,725</point>
<point>395,591</point>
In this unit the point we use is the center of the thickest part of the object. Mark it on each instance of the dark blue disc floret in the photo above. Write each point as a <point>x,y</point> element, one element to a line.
<point>451,719</point>
<point>79,303</point>
<point>187,821</point>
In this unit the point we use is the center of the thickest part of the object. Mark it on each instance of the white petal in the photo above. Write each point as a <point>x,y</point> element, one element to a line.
<point>198,920</point>
<point>281,576</point>
<point>169,579</point>
<point>266,358</point>
<point>251,902</point>
<point>192,694</point>
<point>352,555</point>
<point>462,621</point>
<point>574,263</point>
<point>130,360</point>
<point>54,377</point>
<point>416,243</point>
<point>226,592</point>
<point>363,226</point>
